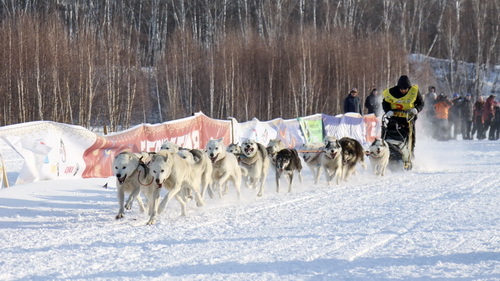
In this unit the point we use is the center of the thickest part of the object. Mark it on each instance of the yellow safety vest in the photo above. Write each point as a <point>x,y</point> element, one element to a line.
<point>404,103</point>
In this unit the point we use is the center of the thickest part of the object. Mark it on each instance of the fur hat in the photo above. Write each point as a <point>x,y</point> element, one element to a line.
<point>353,90</point>
<point>404,82</point>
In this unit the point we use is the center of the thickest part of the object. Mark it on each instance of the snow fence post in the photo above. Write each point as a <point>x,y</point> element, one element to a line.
<point>3,177</point>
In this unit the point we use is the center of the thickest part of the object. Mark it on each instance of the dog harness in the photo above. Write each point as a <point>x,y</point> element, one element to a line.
<point>403,104</point>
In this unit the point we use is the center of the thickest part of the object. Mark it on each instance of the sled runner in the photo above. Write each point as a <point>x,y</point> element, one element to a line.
<point>399,138</point>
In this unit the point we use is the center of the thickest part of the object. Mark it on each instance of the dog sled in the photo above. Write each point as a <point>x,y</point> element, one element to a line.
<point>399,137</point>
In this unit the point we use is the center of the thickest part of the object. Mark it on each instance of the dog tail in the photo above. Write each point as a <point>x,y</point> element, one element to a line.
<point>199,158</point>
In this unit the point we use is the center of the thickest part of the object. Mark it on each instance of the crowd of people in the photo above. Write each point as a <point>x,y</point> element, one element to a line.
<point>444,117</point>
<point>447,117</point>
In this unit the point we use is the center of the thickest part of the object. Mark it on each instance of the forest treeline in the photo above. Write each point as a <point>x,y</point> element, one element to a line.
<point>120,63</point>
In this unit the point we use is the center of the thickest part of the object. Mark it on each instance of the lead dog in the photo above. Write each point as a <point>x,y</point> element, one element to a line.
<point>352,153</point>
<point>171,171</point>
<point>379,153</point>
<point>331,162</point>
<point>255,160</point>
<point>287,162</point>
<point>225,167</point>
<point>130,173</point>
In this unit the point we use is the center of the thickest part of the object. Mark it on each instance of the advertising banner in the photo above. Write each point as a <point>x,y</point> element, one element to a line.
<point>50,150</point>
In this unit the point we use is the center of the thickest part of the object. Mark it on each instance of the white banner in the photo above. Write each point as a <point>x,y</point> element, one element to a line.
<point>50,150</point>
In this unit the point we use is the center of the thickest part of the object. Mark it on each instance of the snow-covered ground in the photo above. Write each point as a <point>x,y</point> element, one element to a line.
<point>439,221</point>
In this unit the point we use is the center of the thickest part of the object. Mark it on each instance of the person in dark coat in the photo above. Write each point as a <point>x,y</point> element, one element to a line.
<point>488,115</point>
<point>373,103</point>
<point>467,115</point>
<point>455,116</point>
<point>352,102</point>
<point>495,126</point>
<point>430,121</point>
<point>477,119</point>
<point>402,101</point>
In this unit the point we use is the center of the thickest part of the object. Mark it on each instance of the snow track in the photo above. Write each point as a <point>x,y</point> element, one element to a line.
<point>439,221</point>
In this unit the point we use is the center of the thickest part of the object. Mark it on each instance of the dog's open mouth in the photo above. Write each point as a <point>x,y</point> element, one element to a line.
<point>122,179</point>
<point>248,150</point>
<point>214,158</point>
<point>333,154</point>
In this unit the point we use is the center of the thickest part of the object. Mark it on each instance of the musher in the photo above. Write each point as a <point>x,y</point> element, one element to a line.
<point>401,105</point>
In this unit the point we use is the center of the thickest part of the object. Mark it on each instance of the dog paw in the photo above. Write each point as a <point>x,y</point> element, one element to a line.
<point>128,206</point>
<point>151,222</point>
<point>119,216</point>
<point>259,194</point>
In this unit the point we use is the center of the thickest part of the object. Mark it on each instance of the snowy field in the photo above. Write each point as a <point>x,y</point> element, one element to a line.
<point>440,221</point>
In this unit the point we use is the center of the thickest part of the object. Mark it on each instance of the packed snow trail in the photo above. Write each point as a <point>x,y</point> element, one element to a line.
<point>440,220</point>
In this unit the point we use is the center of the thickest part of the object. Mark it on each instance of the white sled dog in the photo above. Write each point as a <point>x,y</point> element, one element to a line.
<point>225,168</point>
<point>171,171</point>
<point>170,147</point>
<point>331,162</point>
<point>130,173</point>
<point>379,153</point>
<point>194,156</point>
<point>255,160</point>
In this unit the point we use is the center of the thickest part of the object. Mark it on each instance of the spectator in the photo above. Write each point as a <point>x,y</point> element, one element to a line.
<point>477,119</point>
<point>467,114</point>
<point>373,103</point>
<point>430,112</point>
<point>352,102</point>
<point>488,115</point>
<point>495,126</point>
<point>442,106</point>
<point>454,117</point>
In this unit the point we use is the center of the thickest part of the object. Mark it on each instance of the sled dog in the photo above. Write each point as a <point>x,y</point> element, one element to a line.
<point>310,154</point>
<point>272,148</point>
<point>331,162</point>
<point>234,148</point>
<point>379,153</point>
<point>194,156</point>
<point>130,172</point>
<point>225,167</point>
<point>170,147</point>
<point>352,153</point>
<point>171,171</point>
<point>255,160</point>
<point>287,162</point>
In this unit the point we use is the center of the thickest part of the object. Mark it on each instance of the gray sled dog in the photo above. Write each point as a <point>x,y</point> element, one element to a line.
<point>331,162</point>
<point>130,173</point>
<point>379,153</point>
<point>255,160</point>
<point>352,153</point>
<point>225,167</point>
<point>287,162</point>
<point>234,148</point>
<point>171,171</point>
<point>310,153</point>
